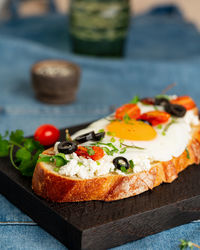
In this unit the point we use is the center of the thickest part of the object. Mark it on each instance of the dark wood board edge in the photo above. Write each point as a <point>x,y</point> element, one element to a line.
<point>34,207</point>
<point>138,226</point>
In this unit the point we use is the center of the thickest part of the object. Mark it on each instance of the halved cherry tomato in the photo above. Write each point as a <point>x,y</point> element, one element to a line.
<point>94,152</point>
<point>185,101</point>
<point>155,117</point>
<point>47,134</point>
<point>132,110</point>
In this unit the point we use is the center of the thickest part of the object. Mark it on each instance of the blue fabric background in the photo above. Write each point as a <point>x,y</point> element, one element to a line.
<point>161,49</point>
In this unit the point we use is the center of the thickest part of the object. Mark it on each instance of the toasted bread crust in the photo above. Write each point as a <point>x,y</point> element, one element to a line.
<point>57,188</point>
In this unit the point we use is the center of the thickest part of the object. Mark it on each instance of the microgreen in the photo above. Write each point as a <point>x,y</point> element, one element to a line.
<point>98,163</point>
<point>110,133</point>
<point>80,163</point>
<point>23,152</point>
<point>135,99</point>
<point>188,153</point>
<point>155,107</point>
<point>131,164</point>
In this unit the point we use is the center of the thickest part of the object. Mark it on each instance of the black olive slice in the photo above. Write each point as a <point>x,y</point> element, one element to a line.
<point>147,122</point>
<point>67,147</point>
<point>175,110</point>
<point>148,101</point>
<point>161,101</point>
<point>121,162</point>
<point>99,136</point>
<point>85,137</point>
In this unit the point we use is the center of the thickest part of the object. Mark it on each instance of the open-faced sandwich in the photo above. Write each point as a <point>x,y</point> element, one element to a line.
<point>144,143</point>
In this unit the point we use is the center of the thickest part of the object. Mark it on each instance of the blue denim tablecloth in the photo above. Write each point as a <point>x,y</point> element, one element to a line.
<point>162,48</point>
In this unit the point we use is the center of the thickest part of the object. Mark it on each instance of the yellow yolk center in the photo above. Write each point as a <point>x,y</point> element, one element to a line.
<point>132,130</point>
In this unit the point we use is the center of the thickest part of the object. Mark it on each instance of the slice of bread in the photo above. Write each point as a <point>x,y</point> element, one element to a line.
<point>57,188</point>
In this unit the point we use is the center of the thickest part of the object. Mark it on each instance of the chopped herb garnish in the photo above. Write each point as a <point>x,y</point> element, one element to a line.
<point>123,169</point>
<point>90,151</point>
<point>80,163</point>
<point>112,139</point>
<point>108,151</point>
<point>188,154</point>
<point>56,169</point>
<point>126,118</point>
<point>162,96</point>
<point>167,126</point>
<point>155,107</point>
<point>110,133</point>
<point>159,126</point>
<point>123,151</point>
<point>59,160</point>
<point>98,163</point>
<point>131,164</point>
<point>128,146</point>
<point>101,131</point>
<point>121,140</point>
<point>135,99</point>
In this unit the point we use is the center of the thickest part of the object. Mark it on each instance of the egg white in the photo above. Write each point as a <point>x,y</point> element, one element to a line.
<point>162,148</point>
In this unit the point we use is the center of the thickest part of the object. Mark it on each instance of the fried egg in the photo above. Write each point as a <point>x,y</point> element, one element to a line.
<point>135,140</point>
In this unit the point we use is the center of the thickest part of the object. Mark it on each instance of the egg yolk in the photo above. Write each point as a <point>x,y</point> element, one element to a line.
<point>132,130</point>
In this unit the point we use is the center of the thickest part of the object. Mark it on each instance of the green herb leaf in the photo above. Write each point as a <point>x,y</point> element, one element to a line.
<point>123,169</point>
<point>167,126</point>
<point>135,99</point>
<point>60,160</point>
<point>90,151</point>
<point>126,118</point>
<point>162,96</point>
<point>131,164</point>
<point>110,133</point>
<point>188,153</point>
<point>30,144</point>
<point>80,163</point>
<point>112,139</point>
<point>123,151</point>
<point>17,136</point>
<point>159,126</point>
<point>128,146</point>
<point>108,151</point>
<point>56,169</point>
<point>45,158</point>
<point>26,167</point>
<point>23,154</point>
<point>4,148</point>
<point>98,163</point>
<point>101,131</point>
<point>155,107</point>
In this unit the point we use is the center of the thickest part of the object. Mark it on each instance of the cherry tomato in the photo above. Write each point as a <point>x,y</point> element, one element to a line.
<point>185,101</point>
<point>132,110</point>
<point>155,117</point>
<point>94,152</point>
<point>47,134</point>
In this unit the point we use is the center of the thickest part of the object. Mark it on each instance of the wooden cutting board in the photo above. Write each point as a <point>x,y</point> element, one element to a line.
<point>101,225</point>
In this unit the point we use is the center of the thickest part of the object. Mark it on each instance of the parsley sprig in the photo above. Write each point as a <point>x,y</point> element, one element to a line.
<point>23,152</point>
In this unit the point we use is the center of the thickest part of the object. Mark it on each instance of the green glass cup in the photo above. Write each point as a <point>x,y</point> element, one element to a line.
<point>99,27</point>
